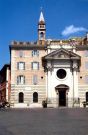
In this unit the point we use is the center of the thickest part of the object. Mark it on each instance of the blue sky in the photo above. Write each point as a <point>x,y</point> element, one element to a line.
<point>19,19</point>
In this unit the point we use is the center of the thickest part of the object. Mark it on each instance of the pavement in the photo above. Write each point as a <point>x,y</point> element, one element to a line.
<point>61,121</point>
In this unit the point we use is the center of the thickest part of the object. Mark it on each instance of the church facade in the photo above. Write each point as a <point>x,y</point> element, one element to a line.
<point>54,71</point>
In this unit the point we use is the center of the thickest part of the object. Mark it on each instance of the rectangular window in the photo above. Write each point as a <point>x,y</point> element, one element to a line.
<point>21,65</point>
<point>20,79</point>
<point>86,79</point>
<point>35,53</point>
<point>17,53</point>
<point>86,65</point>
<point>35,79</point>
<point>35,65</point>
<point>21,54</point>
<point>86,53</point>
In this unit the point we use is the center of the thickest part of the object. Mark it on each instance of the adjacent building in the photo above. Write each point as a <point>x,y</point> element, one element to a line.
<point>28,79</point>
<point>5,83</point>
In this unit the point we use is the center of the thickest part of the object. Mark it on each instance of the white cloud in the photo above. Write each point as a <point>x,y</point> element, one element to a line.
<point>72,29</point>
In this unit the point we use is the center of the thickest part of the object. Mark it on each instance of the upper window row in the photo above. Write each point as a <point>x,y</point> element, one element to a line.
<point>33,53</point>
<point>21,79</point>
<point>34,65</point>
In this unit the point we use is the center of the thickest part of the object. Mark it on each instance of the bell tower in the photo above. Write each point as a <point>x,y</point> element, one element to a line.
<point>41,29</point>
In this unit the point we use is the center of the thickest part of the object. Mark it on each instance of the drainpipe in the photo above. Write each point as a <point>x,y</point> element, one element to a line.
<point>47,84</point>
<point>73,87</point>
<point>73,69</point>
<point>7,86</point>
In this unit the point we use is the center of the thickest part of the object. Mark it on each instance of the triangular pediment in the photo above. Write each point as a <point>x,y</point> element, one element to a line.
<point>62,54</point>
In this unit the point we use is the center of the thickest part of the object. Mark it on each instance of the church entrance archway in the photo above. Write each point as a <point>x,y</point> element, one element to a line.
<point>62,95</point>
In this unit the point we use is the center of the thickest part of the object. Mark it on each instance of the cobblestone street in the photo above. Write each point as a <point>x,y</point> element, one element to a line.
<point>60,121</point>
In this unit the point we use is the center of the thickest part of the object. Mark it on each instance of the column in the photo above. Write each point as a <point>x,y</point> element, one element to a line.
<point>75,81</point>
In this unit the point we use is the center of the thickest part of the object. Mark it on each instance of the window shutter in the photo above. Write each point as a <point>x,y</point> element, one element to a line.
<point>31,65</point>
<point>24,65</point>
<point>17,79</point>
<point>17,65</point>
<point>32,53</point>
<point>38,65</point>
<point>37,52</point>
<point>24,79</point>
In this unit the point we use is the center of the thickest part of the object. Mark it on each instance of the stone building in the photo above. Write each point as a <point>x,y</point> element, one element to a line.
<point>52,70</point>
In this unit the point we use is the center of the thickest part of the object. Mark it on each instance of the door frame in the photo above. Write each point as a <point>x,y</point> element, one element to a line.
<point>64,89</point>
<point>62,98</point>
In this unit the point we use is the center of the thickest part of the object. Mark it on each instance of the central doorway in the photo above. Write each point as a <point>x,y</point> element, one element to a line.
<point>62,90</point>
<point>62,98</point>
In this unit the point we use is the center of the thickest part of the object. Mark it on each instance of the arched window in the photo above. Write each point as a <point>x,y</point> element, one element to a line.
<point>21,97</point>
<point>41,35</point>
<point>35,97</point>
<point>86,96</point>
